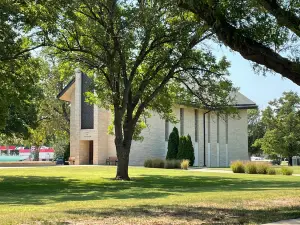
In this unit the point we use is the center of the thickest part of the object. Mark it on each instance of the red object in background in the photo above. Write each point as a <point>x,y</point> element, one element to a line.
<point>24,150</point>
<point>47,150</point>
<point>12,147</point>
<point>2,148</point>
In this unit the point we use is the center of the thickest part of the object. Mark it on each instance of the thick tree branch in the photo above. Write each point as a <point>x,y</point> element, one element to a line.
<point>249,48</point>
<point>284,17</point>
<point>17,55</point>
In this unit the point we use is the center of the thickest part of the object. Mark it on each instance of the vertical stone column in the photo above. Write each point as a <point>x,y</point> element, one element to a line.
<point>76,126</point>
<point>102,135</point>
<point>208,141</point>
<point>226,146</point>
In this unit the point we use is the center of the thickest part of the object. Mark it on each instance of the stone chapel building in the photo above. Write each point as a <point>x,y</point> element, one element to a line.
<point>217,141</point>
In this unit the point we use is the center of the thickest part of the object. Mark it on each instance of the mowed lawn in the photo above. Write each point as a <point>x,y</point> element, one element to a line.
<point>88,195</point>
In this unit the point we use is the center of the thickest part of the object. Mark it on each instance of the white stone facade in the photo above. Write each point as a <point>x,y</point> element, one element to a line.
<point>226,138</point>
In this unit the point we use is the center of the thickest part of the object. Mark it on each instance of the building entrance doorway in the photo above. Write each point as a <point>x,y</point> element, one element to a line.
<point>91,152</point>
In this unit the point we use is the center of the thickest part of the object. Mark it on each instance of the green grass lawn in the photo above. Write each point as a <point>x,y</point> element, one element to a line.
<point>88,195</point>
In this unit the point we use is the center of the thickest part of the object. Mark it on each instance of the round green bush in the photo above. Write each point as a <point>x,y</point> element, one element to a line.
<point>286,171</point>
<point>271,171</point>
<point>262,168</point>
<point>237,167</point>
<point>148,163</point>
<point>251,168</point>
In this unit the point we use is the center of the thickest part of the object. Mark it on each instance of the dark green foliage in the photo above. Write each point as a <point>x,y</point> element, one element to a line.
<point>186,149</point>
<point>67,152</point>
<point>148,163</point>
<point>173,143</point>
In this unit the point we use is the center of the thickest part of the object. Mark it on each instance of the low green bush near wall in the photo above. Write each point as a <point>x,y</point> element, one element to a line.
<point>154,163</point>
<point>172,164</point>
<point>160,163</point>
<point>237,167</point>
<point>286,171</point>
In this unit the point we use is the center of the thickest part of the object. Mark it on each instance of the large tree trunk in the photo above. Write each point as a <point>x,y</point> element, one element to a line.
<point>290,160</point>
<point>36,156</point>
<point>123,139</point>
<point>123,160</point>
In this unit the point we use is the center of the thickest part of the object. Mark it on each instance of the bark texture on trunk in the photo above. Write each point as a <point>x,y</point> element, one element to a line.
<point>123,161</point>
<point>123,139</point>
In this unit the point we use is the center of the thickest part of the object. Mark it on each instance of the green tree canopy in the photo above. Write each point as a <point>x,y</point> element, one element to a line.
<point>282,121</point>
<point>19,72</point>
<point>142,55</point>
<point>266,32</point>
<point>256,130</point>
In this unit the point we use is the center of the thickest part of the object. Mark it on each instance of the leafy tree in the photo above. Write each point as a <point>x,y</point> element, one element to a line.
<point>173,143</point>
<point>138,53</point>
<point>265,32</point>
<point>37,139</point>
<point>19,72</point>
<point>53,124</point>
<point>282,121</point>
<point>256,130</point>
<point>186,149</point>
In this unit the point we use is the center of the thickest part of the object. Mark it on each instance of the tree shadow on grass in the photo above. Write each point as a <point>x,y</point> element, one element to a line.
<point>44,190</point>
<point>181,214</point>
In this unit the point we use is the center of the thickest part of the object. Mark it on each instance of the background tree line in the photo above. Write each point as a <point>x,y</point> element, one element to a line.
<point>275,131</point>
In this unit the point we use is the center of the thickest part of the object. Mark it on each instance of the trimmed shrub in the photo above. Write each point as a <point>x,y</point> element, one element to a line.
<point>158,163</point>
<point>148,163</point>
<point>262,168</point>
<point>154,163</point>
<point>173,143</point>
<point>172,164</point>
<point>286,171</point>
<point>251,167</point>
<point>237,167</point>
<point>186,149</point>
<point>185,164</point>
<point>271,171</point>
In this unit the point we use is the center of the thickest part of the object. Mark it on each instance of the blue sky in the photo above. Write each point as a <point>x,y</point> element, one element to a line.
<point>260,89</point>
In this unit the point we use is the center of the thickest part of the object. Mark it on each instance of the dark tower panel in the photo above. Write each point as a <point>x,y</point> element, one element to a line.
<point>87,110</point>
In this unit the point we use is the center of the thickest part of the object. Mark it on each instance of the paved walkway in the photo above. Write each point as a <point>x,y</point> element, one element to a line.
<point>210,170</point>
<point>285,222</point>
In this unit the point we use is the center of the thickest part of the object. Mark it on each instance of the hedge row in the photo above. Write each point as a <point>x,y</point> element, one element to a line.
<point>160,163</point>
<point>257,168</point>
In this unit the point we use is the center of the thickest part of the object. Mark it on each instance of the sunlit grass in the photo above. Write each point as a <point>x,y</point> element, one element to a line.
<point>88,195</point>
